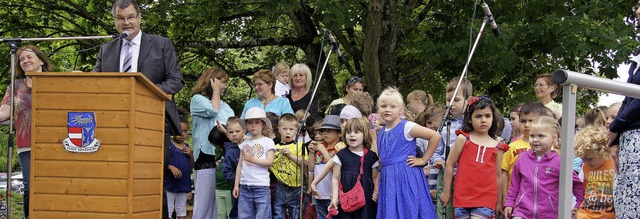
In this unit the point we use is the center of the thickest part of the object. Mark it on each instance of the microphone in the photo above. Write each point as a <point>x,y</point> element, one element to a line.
<point>124,34</point>
<point>492,22</point>
<point>335,47</point>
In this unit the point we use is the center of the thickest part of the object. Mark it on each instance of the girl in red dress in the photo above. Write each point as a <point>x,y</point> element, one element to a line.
<point>478,156</point>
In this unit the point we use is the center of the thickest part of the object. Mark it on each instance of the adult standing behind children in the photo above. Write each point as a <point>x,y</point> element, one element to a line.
<point>30,59</point>
<point>545,91</point>
<point>402,181</point>
<point>264,83</point>
<point>207,108</point>
<point>300,95</point>
<point>625,130</point>
<point>352,86</point>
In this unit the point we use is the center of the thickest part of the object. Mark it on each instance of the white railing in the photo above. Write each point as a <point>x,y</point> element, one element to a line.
<point>570,81</point>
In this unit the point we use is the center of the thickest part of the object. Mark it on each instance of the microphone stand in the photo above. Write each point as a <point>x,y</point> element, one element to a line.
<point>302,125</point>
<point>447,115</point>
<point>13,48</point>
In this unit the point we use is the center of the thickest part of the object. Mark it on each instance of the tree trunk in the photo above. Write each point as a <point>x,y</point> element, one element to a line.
<point>389,45</point>
<point>306,28</point>
<point>370,52</point>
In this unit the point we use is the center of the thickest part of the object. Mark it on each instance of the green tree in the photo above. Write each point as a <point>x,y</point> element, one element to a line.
<point>412,44</point>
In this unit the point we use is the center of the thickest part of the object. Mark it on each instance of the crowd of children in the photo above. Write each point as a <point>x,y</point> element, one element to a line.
<point>404,159</point>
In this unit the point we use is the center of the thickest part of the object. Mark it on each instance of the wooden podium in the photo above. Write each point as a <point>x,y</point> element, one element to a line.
<point>123,178</point>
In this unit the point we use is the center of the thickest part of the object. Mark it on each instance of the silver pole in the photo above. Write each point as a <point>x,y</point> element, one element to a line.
<point>566,155</point>
<point>590,82</point>
<point>570,81</point>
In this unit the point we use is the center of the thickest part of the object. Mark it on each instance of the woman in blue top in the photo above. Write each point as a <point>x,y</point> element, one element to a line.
<point>264,83</point>
<point>206,110</point>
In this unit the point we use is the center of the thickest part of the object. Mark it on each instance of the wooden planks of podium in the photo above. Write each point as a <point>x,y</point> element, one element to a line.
<point>123,177</point>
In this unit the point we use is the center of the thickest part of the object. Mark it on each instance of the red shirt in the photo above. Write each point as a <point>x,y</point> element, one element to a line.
<point>476,181</point>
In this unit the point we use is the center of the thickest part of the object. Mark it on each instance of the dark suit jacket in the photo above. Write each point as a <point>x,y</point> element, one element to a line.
<point>158,62</point>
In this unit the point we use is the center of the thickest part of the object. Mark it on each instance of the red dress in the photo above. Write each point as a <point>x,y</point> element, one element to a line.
<point>476,181</point>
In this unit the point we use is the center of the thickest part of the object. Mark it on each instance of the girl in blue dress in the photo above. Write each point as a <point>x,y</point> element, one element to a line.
<point>403,189</point>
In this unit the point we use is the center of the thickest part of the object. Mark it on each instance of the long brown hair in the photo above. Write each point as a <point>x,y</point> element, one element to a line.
<point>203,85</point>
<point>46,66</point>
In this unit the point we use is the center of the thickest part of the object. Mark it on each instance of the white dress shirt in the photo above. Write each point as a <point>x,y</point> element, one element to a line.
<point>135,52</point>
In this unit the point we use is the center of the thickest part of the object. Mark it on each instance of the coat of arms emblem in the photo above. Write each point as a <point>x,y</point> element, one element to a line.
<point>82,133</point>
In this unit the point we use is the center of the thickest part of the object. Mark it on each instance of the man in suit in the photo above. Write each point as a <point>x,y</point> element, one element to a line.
<point>150,54</point>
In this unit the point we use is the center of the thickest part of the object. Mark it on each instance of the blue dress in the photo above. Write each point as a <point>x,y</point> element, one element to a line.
<point>403,191</point>
<point>181,161</point>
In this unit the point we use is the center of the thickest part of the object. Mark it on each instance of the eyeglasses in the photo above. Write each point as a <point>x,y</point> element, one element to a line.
<point>539,85</point>
<point>129,19</point>
<point>355,79</point>
<point>258,84</point>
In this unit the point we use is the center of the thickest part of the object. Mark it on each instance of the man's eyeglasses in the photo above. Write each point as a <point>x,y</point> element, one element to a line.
<point>128,19</point>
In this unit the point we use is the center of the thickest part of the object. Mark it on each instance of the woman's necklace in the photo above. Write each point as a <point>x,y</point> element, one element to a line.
<point>268,100</point>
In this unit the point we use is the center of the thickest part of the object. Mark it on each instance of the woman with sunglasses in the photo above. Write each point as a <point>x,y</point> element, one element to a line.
<point>352,86</point>
<point>264,83</point>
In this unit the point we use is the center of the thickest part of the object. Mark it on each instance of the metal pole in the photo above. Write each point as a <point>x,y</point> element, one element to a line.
<point>566,155</point>
<point>12,48</point>
<point>304,119</point>
<point>464,73</point>
<point>570,81</point>
<point>563,77</point>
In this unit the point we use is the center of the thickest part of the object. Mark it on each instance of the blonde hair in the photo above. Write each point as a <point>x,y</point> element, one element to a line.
<point>421,96</point>
<point>594,139</point>
<point>304,69</point>
<point>615,105</point>
<point>550,124</point>
<point>288,119</point>
<point>595,116</point>
<point>391,93</point>
<point>359,124</point>
<point>281,68</point>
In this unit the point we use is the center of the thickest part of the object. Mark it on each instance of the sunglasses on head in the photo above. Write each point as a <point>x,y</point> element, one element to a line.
<point>355,79</point>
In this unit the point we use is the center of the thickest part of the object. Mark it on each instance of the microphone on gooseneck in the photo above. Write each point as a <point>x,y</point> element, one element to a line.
<point>124,34</point>
<point>336,48</point>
